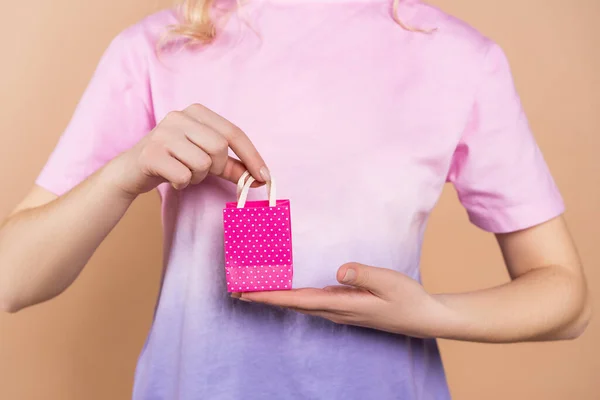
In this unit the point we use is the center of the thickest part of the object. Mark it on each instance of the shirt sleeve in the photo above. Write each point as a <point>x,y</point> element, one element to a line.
<point>113,114</point>
<point>498,169</point>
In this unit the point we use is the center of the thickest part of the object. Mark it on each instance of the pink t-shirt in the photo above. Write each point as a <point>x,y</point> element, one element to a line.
<point>362,123</point>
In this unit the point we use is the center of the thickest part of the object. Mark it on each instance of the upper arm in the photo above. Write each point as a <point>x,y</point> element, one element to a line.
<point>544,245</point>
<point>37,197</point>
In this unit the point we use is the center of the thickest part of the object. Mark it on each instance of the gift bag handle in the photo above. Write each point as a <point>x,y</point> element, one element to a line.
<point>243,187</point>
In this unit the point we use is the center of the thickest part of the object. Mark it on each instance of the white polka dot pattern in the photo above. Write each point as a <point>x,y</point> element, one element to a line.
<point>258,246</point>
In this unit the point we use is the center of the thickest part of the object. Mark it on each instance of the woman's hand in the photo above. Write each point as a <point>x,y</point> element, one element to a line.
<point>547,298</point>
<point>183,149</point>
<point>370,297</point>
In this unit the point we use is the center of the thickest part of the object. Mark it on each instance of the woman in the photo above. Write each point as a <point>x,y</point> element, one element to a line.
<point>363,109</point>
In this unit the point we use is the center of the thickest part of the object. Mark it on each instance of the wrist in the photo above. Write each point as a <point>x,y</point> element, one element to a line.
<point>444,322</point>
<point>111,178</point>
<point>454,324</point>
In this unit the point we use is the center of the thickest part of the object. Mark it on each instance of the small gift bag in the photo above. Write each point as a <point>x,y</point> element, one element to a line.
<point>258,241</point>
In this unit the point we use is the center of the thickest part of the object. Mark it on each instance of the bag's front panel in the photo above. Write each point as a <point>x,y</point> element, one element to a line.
<point>258,247</point>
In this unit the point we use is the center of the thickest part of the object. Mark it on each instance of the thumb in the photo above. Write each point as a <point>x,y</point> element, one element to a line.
<point>233,172</point>
<point>378,281</point>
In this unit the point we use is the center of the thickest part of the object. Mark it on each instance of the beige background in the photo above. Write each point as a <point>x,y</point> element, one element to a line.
<point>84,344</point>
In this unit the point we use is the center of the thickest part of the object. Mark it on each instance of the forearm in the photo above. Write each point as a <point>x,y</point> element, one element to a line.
<point>546,303</point>
<point>43,250</point>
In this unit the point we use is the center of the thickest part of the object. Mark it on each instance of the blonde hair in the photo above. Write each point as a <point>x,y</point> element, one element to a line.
<point>198,25</point>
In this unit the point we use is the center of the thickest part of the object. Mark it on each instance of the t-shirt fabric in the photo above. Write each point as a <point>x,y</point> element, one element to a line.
<point>362,123</point>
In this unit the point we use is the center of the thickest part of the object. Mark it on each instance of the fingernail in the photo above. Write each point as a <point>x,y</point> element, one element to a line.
<point>265,174</point>
<point>245,299</point>
<point>350,276</point>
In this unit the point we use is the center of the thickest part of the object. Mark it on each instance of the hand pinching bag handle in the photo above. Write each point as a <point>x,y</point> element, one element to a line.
<point>257,241</point>
<point>243,187</point>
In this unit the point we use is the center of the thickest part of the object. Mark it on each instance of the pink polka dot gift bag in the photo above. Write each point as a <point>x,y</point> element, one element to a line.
<point>258,241</point>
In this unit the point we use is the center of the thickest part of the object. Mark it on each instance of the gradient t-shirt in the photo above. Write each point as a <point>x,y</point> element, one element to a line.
<point>362,123</point>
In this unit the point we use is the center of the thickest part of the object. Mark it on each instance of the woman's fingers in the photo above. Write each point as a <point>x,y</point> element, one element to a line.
<point>236,139</point>
<point>170,169</point>
<point>197,140</point>
<point>194,158</point>
<point>186,146</point>
<point>306,299</point>
<point>233,170</point>
<point>207,139</point>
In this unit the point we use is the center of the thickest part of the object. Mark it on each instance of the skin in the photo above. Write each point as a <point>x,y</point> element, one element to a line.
<point>183,149</point>
<point>547,298</point>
